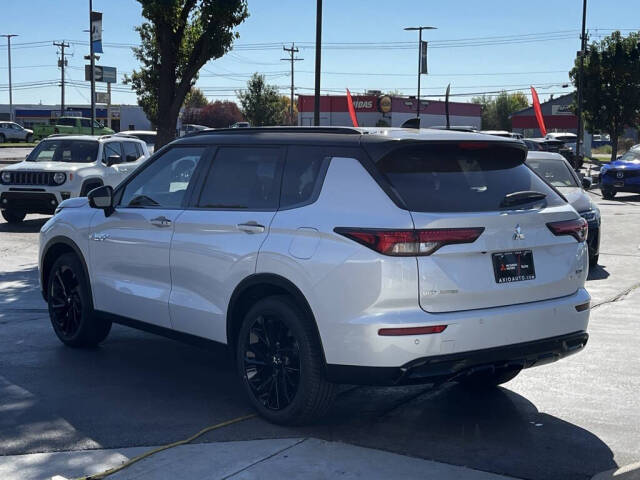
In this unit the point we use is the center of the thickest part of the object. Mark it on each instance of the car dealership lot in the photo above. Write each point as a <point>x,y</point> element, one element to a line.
<point>571,419</point>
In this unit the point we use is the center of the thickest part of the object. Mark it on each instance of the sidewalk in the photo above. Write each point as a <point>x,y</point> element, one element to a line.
<point>306,458</point>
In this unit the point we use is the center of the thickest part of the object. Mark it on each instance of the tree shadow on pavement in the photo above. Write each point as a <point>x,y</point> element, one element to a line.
<point>20,290</point>
<point>138,390</point>
<point>495,430</point>
<point>26,226</point>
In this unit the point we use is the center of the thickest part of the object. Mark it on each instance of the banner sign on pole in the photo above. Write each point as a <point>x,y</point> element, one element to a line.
<point>101,74</point>
<point>96,31</point>
<point>423,57</point>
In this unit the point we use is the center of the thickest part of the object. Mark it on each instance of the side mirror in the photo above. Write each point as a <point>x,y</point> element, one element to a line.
<point>102,198</point>
<point>587,182</point>
<point>113,160</point>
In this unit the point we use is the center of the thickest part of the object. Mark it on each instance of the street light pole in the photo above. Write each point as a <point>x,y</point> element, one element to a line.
<point>316,97</point>
<point>8,37</point>
<point>419,29</point>
<point>583,51</point>
<point>93,69</point>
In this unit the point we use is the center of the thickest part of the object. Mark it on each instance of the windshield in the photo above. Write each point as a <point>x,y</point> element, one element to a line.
<point>554,172</point>
<point>631,156</point>
<point>65,150</point>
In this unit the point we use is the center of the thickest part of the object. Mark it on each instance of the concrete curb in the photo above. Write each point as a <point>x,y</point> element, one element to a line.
<point>264,459</point>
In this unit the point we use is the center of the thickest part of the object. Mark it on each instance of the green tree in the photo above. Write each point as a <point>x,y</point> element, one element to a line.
<point>177,39</point>
<point>611,85</point>
<point>496,112</point>
<point>195,99</point>
<point>261,104</point>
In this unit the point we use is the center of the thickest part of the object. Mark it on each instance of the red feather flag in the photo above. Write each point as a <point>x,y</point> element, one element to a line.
<point>538,110</point>
<point>352,111</point>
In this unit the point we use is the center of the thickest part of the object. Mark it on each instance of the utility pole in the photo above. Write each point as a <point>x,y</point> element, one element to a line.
<point>8,37</point>
<point>419,59</point>
<point>62,63</point>
<point>581,54</point>
<point>293,50</point>
<point>93,69</point>
<point>316,99</point>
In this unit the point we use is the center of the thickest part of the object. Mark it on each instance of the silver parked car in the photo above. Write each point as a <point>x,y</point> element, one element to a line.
<point>12,131</point>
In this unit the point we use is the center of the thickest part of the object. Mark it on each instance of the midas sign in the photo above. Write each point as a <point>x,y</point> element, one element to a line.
<point>360,104</point>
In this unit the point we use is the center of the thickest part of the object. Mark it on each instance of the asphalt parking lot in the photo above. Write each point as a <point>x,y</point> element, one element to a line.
<point>569,420</point>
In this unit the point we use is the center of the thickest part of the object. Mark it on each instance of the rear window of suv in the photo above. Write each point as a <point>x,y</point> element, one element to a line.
<point>461,176</point>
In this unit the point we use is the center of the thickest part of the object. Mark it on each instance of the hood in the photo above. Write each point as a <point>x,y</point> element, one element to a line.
<point>75,202</point>
<point>577,198</point>
<point>46,166</point>
<point>627,165</point>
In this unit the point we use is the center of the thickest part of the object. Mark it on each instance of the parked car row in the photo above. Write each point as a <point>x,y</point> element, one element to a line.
<point>323,256</point>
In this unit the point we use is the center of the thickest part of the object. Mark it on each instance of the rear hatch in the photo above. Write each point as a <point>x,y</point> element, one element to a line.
<point>454,189</point>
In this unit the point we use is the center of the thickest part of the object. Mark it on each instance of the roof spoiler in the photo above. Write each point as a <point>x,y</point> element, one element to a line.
<point>412,123</point>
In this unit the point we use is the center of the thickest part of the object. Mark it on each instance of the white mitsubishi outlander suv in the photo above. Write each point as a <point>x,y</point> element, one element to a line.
<point>329,255</point>
<point>66,166</point>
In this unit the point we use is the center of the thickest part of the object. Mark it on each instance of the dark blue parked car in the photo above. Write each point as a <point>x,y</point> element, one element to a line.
<point>623,175</point>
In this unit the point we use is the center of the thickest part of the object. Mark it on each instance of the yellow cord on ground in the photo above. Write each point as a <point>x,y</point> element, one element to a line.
<point>106,473</point>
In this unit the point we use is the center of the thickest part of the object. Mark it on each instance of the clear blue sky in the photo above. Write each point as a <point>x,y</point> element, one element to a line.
<point>540,37</point>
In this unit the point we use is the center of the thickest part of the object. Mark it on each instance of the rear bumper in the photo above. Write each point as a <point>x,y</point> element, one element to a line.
<point>356,346</point>
<point>447,367</point>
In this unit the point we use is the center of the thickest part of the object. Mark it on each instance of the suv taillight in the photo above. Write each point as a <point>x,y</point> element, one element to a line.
<point>577,228</point>
<point>409,243</point>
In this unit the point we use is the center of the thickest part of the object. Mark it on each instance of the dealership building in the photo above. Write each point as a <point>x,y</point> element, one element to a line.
<point>118,117</point>
<point>386,110</point>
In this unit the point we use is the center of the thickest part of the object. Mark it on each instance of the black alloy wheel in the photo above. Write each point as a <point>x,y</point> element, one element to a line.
<point>272,362</point>
<point>281,364</point>
<point>70,306</point>
<point>65,301</point>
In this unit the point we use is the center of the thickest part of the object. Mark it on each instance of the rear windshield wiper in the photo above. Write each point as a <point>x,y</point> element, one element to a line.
<point>519,198</point>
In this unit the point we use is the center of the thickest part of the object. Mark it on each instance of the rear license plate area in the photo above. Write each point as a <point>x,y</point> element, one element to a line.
<point>517,266</point>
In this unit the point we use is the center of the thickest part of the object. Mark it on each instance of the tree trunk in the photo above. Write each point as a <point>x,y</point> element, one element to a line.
<point>614,142</point>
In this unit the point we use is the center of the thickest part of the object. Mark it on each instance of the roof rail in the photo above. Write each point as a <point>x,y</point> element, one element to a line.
<point>120,134</point>
<point>239,131</point>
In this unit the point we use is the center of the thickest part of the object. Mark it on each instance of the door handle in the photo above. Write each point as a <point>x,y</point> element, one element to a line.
<point>251,227</point>
<point>161,221</point>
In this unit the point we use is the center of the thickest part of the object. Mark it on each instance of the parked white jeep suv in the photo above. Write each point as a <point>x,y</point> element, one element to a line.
<point>65,166</point>
<point>329,255</point>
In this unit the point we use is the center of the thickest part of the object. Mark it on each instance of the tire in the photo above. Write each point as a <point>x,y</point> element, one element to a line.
<point>608,193</point>
<point>70,305</point>
<point>593,260</point>
<point>29,138</point>
<point>491,379</point>
<point>285,382</point>
<point>2,138</point>
<point>13,216</point>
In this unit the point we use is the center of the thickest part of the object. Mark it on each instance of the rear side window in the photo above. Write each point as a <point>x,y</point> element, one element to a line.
<point>111,148</point>
<point>303,172</point>
<point>130,151</point>
<point>460,177</point>
<point>243,178</point>
<point>85,123</point>
<point>70,122</point>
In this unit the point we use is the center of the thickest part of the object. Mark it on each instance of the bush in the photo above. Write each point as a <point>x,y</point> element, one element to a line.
<point>624,145</point>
